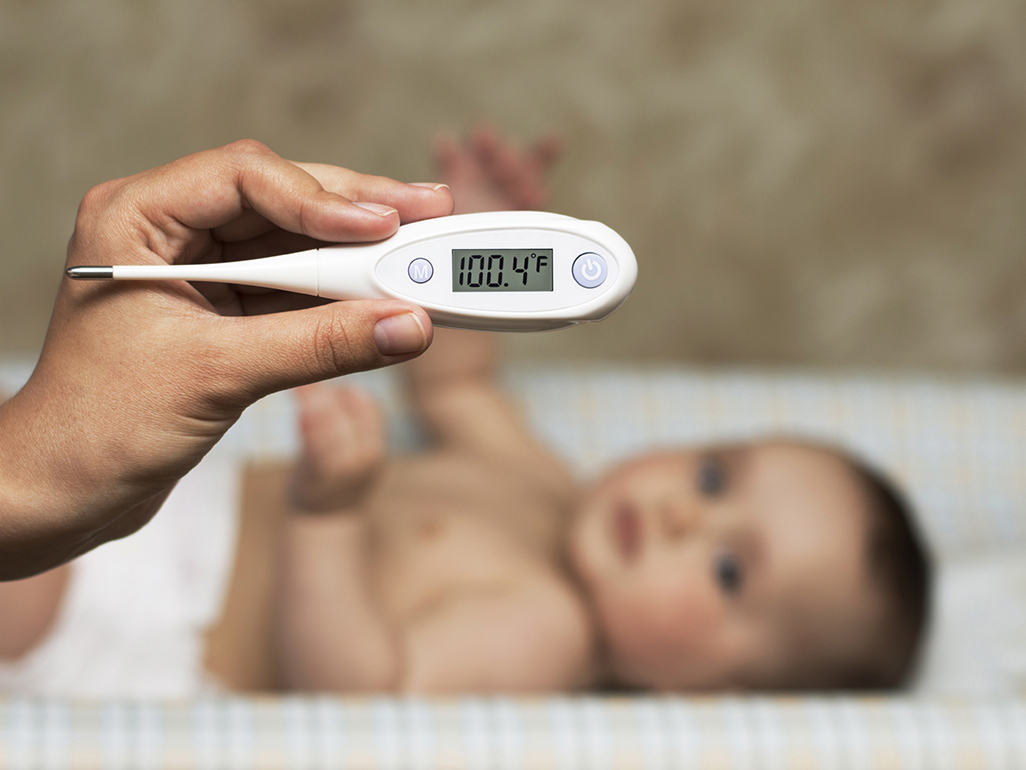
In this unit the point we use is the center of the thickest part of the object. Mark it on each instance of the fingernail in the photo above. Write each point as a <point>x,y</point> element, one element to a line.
<point>436,186</point>
<point>399,334</point>
<point>378,208</point>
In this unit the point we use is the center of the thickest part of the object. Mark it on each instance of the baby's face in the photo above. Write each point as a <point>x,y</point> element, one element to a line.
<point>726,567</point>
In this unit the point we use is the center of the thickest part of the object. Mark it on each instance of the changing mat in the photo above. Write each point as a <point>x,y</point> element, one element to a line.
<point>958,447</point>
<point>530,734</point>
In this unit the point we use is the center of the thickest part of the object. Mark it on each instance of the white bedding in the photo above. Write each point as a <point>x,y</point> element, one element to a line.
<point>957,446</point>
<point>845,733</point>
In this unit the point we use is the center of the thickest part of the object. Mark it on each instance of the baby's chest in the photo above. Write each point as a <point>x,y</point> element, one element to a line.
<point>466,535</point>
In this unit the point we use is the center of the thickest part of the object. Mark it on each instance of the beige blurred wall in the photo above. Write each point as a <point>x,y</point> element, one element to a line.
<point>803,182</point>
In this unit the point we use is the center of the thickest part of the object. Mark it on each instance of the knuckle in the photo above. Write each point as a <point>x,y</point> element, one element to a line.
<point>306,216</point>
<point>247,148</point>
<point>97,199</point>
<point>100,208</point>
<point>333,347</point>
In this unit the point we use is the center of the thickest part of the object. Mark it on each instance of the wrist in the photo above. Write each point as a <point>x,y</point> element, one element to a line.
<point>301,507</point>
<point>56,499</point>
<point>39,521</point>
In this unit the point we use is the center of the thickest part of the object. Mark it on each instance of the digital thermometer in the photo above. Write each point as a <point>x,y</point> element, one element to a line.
<point>496,271</point>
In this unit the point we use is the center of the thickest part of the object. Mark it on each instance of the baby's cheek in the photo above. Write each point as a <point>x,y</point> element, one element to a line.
<point>688,617</point>
<point>667,626</point>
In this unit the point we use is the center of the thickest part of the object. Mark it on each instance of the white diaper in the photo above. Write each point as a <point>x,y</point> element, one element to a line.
<point>134,616</point>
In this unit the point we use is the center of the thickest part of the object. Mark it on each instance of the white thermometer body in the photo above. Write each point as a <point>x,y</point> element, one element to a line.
<point>496,271</point>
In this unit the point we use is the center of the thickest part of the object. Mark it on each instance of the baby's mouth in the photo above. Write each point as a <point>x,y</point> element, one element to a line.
<point>627,531</point>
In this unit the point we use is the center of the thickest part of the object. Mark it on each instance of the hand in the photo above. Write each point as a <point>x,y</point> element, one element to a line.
<point>343,436</point>
<point>492,173</point>
<point>136,382</point>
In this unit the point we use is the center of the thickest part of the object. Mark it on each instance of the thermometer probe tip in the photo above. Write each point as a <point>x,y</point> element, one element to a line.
<point>90,273</point>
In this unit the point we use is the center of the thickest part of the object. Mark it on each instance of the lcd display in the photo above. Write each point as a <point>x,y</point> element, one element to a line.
<point>502,269</point>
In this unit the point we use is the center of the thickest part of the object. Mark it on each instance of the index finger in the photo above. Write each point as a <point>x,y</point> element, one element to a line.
<point>413,201</point>
<point>212,188</point>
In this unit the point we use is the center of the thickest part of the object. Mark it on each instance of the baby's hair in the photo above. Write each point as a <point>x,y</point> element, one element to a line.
<point>899,566</point>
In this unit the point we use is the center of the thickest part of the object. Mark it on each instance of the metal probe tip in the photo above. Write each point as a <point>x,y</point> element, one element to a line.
<point>90,273</point>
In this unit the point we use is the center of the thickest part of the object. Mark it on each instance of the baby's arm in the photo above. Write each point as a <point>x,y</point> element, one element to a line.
<point>454,384</point>
<point>456,391</point>
<point>331,634</point>
<point>28,609</point>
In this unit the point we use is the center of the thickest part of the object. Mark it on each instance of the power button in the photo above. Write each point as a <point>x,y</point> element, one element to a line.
<point>590,270</point>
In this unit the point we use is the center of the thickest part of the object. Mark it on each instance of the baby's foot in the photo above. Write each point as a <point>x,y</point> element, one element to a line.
<point>493,173</point>
<point>343,436</point>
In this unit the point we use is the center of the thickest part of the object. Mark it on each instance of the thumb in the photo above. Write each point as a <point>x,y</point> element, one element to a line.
<point>285,350</point>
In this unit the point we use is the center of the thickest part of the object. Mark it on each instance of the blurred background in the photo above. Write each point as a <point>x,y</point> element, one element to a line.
<point>804,183</point>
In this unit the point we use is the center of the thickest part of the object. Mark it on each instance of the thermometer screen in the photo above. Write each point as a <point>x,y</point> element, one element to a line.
<point>502,270</point>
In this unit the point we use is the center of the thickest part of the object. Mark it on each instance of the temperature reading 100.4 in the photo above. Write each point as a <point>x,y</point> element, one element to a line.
<point>502,270</point>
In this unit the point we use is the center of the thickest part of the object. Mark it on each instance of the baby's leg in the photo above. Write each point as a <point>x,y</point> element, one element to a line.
<point>343,436</point>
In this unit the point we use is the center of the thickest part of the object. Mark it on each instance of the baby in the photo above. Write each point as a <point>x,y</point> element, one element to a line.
<point>481,565</point>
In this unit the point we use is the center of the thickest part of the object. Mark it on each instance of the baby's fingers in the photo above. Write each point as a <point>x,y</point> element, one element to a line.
<point>343,447</point>
<point>366,422</point>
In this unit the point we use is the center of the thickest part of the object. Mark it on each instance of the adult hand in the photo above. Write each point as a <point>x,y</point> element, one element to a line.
<point>137,381</point>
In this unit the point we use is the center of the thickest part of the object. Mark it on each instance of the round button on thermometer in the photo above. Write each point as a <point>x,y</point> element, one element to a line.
<point>496,271</point>
<point>421,270</point>
<point>590,270</point>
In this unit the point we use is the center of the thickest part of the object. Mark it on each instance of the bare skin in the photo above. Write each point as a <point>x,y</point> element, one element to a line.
<point>480,566</point>
<point>447,554</point>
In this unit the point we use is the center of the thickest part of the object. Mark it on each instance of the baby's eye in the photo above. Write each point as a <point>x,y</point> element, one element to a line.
<point>728,572</point>
<point>712,477</point>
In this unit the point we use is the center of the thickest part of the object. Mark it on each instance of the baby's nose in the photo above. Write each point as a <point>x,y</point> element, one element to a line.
<point>678,518</point>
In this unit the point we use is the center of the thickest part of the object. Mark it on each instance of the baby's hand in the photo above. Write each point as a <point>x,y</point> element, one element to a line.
<point>343,436</point>
<point>492,173</point>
